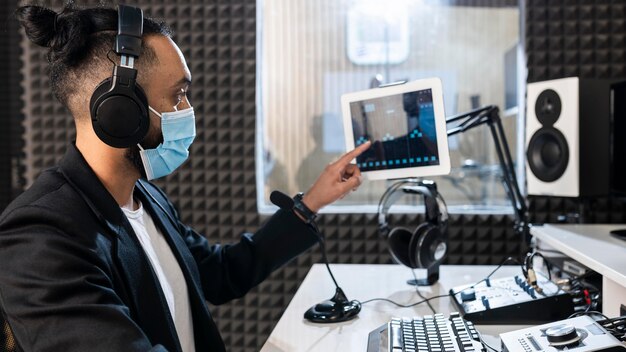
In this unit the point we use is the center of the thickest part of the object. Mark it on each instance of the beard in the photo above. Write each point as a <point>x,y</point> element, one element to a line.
<point>153,138</point>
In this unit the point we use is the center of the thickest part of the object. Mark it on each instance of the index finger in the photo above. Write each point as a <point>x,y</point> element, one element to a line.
<point>347,157</point>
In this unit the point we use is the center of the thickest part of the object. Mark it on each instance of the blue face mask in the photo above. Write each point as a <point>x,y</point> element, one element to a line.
<point>179,130</point>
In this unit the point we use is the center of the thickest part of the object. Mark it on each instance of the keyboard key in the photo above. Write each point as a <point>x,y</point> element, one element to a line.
<point>396,336</point>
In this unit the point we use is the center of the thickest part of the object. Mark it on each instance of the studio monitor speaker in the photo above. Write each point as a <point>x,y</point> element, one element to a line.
<point>568,137</point>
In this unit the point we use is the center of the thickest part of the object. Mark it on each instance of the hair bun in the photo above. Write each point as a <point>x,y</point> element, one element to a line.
<point>38,22</point>
<point>65,33</point>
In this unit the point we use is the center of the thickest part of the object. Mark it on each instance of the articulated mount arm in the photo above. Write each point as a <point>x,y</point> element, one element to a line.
<point>490,115</point>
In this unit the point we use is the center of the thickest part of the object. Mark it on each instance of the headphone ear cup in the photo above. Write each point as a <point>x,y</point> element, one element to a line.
<point>119,116</point>
<point>416,243</point>
<point>398,243</point>
<point>430,247</point>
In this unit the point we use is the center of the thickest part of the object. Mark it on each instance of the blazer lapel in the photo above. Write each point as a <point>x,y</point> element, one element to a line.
<point>151,307</point>
<point>172,235</point>
<point>205,330</point>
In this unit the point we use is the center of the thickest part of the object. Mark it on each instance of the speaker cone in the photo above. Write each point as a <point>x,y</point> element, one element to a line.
<point>548,107</point>
<point>547,154</point>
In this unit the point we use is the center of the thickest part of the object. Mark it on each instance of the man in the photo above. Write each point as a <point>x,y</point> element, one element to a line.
<point>95,258</point>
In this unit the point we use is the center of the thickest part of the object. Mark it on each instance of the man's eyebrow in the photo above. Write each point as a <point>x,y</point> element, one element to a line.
<point>182,81</point>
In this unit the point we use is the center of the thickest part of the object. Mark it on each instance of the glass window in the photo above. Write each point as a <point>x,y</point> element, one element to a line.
<point>309,53</point>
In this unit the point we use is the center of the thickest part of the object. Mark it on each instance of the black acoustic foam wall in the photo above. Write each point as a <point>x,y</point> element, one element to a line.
<point>10,128</point>
<point>10,103</point>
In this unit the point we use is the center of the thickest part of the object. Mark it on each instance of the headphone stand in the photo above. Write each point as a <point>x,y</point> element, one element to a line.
<point>432,276</point>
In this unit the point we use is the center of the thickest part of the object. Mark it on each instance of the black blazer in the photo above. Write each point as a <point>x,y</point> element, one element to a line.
<point>73,275</point>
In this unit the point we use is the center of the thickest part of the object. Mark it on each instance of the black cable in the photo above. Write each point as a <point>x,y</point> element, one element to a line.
<point>614,328</point>
<point>579,277</point>
<point>609,320</point>
<point>420,294</point>
<point>403,305</point>
<point>528,263</point>
<point>507,259</point>
<point>577,287</point>
<point>618,327</point>
<point>589,313</point>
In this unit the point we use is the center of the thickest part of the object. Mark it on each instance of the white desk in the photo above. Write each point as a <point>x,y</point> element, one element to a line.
<point>594,247</point>
<point>362,282</point>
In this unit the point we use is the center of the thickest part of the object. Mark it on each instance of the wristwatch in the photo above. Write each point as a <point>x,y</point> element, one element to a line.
<point>301,208</point>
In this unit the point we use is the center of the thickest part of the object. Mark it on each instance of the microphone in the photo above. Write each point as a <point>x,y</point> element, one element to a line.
<point>281,200</point>
<point>336,309</point>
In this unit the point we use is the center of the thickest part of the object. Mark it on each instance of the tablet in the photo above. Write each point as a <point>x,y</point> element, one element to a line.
<point>407,126</point>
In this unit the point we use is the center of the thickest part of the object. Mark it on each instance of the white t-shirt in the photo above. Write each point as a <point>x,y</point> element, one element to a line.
<point>168,272</point>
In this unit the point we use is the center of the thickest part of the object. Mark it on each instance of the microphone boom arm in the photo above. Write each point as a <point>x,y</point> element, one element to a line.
<point>490,115</point>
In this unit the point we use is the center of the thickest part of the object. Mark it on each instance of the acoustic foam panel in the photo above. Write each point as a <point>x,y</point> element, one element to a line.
<point>10,103</point>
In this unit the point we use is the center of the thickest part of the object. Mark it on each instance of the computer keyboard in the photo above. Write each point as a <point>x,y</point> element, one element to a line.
<point>430,333</point>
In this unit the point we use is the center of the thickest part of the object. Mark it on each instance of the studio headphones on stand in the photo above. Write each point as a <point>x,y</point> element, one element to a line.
<point>426,246</point>
<point>118,106</point>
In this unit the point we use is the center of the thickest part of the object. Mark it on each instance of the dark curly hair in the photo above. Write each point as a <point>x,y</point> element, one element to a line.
<point>80,42</point>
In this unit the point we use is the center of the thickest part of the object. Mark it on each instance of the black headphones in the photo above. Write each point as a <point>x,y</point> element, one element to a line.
<point>427,244</point>
<point>118,106</point>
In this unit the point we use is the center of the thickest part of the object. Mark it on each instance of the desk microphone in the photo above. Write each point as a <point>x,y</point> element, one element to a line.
<point>336,309</point>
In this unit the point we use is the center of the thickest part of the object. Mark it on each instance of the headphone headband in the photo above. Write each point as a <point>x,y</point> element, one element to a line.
<point>129,30</point>
<point>436,209</point>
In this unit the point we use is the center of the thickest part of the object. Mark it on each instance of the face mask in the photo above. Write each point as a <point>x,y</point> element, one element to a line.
<point>179,130</point>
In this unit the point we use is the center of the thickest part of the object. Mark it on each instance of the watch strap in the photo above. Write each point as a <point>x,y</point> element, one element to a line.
<point>302,209</point>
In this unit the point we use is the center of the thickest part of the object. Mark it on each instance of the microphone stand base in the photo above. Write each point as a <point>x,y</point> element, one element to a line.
<point>334,310</point>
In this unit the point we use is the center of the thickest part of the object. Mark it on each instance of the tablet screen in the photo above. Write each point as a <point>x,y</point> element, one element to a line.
<point>401,128</point>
